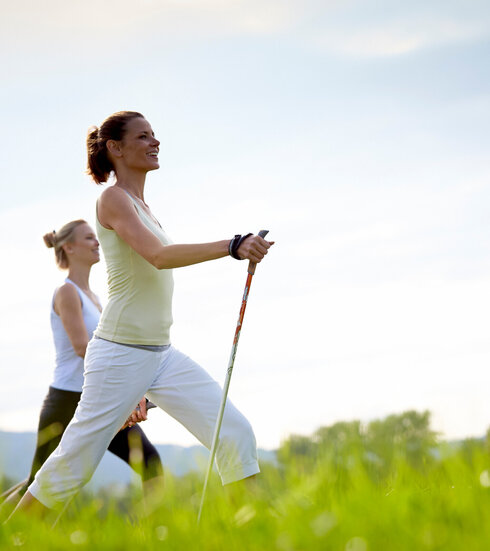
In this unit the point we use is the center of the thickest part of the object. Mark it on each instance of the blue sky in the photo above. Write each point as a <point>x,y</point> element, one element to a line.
<point>356,132</point>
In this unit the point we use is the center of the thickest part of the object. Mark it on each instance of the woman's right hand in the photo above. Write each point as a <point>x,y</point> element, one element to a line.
<point>254,248</point>
<point>137,415</point>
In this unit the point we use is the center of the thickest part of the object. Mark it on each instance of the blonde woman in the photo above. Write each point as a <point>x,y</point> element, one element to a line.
<point>75,313</point>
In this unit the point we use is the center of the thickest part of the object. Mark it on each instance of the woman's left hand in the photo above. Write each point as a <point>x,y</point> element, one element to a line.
<point>254,248</point>
<point>138,414</point>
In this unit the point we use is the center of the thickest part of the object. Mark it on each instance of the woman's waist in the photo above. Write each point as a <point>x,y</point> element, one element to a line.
<point>152,301</point>
<point>68,376</point>
<point>149,347</point>
<point>136,329</point>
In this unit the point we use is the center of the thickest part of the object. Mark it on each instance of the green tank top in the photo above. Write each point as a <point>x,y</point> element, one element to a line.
<point>139,308</point>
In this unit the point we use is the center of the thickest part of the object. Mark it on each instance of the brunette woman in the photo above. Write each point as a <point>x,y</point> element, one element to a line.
<point>131,353</point>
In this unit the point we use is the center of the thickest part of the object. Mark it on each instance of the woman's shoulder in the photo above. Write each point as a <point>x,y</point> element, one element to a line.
<point>114,204</point>
<point>66,297</point>
<point>67,292</point>
<point>113,193</point>
<point>114,200</point>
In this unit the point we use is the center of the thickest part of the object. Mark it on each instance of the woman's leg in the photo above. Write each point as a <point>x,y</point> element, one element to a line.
<point>29,504</point>
<point>56,412</point>
<point>186,392</point>
<point>116,377</point>
<point>132,446</point>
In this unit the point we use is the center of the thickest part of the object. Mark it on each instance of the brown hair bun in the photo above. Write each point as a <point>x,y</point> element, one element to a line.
<point>50,239</point>
<point>59,238</point>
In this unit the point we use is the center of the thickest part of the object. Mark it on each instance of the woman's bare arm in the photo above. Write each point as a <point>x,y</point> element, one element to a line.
<point>68,306</point>
<point>116,211</point>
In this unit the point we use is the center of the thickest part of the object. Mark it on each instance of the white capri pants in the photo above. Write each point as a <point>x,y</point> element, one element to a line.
<point>116,378</point>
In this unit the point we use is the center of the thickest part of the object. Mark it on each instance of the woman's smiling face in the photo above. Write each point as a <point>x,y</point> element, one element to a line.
<point>139,147</point>
<point>85,246</point>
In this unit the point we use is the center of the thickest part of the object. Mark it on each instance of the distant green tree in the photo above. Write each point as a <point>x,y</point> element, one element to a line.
<point>406,436</point>
<point>471,449</point>
<point>340,450</point>
<point>339,441</point>
<point>380,446</point>
<point>297,449</point>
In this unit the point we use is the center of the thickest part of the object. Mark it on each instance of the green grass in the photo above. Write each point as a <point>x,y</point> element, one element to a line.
<point>329,503</point>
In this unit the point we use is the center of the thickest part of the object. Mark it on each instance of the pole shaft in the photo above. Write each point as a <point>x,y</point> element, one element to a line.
<point>229,371</point>
<point>226,386</point>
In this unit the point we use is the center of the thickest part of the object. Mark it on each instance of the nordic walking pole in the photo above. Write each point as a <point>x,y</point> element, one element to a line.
<point>214,445</point>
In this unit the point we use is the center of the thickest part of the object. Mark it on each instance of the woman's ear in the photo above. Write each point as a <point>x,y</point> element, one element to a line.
<point>67,248</point>
<point>114,147</point>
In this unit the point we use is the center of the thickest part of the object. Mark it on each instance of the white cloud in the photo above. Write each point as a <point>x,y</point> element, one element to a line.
<point>353,28</point>
<point>397,36</point>
<point>117,20</point>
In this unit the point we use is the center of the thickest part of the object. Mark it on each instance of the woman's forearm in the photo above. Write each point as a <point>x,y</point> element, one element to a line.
<point>177,256</point>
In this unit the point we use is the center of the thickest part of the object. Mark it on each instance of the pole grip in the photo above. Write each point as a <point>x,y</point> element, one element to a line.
<point>252,265</point>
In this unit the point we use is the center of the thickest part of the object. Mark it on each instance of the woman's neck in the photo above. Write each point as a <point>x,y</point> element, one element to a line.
<point>133,183</point>
<point>80,276</point>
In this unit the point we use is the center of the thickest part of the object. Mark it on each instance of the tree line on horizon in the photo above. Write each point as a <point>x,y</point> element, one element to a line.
<point>379,446</point>
<point>380,449</point>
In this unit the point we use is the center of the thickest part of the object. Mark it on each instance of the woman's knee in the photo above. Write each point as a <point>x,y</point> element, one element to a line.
<point>238,427</point>
<point>237,438</point>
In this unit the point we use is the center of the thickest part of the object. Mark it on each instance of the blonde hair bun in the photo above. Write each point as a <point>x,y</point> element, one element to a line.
<point>50,239</point>
<point>57,239</point>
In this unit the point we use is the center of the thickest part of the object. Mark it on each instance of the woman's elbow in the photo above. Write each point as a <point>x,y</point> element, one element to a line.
<point>80,349</point>
<point>160,262</point>
<point>156,262</point>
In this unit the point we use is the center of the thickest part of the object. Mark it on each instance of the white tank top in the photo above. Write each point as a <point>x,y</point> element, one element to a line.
<point>68,373</point>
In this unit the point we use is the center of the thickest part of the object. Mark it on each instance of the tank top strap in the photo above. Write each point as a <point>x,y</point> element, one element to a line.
<point>133,200</point>
<point>83,296</point>
<point>129,195</point>
<point>141,211</point>
<point>67,280</point>
<point>79,291</point>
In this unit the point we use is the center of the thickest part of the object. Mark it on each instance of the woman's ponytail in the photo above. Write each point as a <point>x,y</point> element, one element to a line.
<point>99,164</point>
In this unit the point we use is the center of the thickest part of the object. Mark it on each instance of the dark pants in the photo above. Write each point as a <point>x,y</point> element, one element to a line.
<point>59,407</point>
